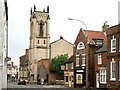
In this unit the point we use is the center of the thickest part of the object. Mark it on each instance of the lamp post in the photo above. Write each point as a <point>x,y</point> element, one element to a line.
<point>86,36</point>
<point>79,21</point>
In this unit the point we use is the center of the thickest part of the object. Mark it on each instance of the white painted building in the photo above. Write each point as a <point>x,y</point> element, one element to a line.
<point>3,43</point>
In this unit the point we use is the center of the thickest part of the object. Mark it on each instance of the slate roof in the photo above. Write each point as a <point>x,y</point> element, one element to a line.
<point>102,49</point>
<point>71,59</point>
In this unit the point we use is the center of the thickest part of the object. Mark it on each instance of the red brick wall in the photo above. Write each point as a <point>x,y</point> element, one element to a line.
<point>115,30</point>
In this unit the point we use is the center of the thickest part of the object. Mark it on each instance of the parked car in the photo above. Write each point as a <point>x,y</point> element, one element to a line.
<point>21,82</point>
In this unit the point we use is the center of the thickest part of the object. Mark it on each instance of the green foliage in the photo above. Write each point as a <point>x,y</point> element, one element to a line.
<point>56,64</point>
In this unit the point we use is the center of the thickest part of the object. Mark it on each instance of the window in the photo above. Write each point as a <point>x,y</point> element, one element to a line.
<point>83,59</point>
<point>41,28</point>
<point>98,41</point>
<point>103,75</point>
<point>66,66</point>
<point>80,45</point>
<point>66,78</point>
<point>72,66</point>
<point>112,69</point>
<point>77,60</point>
<point>113,44</point>
<point>38,42</point>
<point>119,43</point>
<point>44,41</point>
<point>119,70</point>
<point>99,58</point>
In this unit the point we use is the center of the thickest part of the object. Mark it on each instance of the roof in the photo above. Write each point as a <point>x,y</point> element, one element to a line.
<point>70,60</point>
<point>61,38</point>
<point>102,49</point>
<point>91,35</point>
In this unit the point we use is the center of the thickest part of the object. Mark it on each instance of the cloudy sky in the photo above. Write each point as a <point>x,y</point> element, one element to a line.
<point>92,12</point>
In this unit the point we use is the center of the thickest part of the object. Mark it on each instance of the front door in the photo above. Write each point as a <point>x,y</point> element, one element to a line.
<point>97,80</point>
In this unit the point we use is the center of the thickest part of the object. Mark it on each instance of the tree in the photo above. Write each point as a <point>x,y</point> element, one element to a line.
<point>57,62</point>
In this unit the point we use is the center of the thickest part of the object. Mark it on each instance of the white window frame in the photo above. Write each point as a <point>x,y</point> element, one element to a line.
<point>119,43</point>
<point>119,70</point>
<point>113,62</point>
<point>99,58</point>
<point>72,65</point>
<point>77,60</point>
<point>83,59</point>
<point>113,49</point>
<point>67,66</point>
<point>103,75</point>
<point>80,45</point>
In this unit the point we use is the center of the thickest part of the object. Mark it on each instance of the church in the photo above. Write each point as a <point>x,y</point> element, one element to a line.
<point>36,62</point>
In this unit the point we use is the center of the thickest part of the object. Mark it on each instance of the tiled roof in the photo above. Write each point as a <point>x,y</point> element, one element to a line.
<point>95,35</point>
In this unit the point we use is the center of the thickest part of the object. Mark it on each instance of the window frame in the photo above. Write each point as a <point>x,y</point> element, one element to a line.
<point>119,70</point>
<point>77,60</point>
<point>113,49</point>
<point>80,46</point>
<point>119,44</point>
<point>113,62</point>
<point>83,55</point>
<point>99,58</point>
<point>103,74</point>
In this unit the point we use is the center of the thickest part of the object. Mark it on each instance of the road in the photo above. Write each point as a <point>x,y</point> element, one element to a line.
<point>14,85</point>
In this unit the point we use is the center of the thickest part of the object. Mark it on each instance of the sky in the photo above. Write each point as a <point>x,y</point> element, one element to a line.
<point>92,12</point>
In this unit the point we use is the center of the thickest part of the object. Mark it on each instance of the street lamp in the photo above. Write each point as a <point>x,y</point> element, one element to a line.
<point>79,21</point>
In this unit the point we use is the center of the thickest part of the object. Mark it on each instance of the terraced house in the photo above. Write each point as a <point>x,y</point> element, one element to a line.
<point>86,44</point>
<point>113,57</point>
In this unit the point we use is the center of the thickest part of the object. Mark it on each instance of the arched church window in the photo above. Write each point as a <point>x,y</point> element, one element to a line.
<point>41,28</point>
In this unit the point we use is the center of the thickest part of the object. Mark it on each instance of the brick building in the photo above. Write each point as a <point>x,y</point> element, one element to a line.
<point>86,44</point>
<point>43,71</point>
<point>23,69</point>
<point>69,72</point>
<point>113,57</point>
<point>100,73</point>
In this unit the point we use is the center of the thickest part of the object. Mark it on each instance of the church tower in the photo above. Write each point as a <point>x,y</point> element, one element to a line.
<point>39,39</point>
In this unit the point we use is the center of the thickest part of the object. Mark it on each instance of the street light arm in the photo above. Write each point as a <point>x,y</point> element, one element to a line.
<point>79,21</point>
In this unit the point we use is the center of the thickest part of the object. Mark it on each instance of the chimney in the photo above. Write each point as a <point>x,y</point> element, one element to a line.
<point>105,26</point>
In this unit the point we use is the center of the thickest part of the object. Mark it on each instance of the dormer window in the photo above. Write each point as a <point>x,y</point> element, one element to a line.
<point>113,44</point>
<point>98,42</point>
<point>80,45</point>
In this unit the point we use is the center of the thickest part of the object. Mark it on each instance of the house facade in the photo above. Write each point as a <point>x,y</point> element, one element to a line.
<point>3,43</point>
<point>12,72</point>
<point>23,69</point>
<point>69,72</point>
<point>113,57</point>
<point>101,67</point>
<point>57,48</point>
<point>86,44</point>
